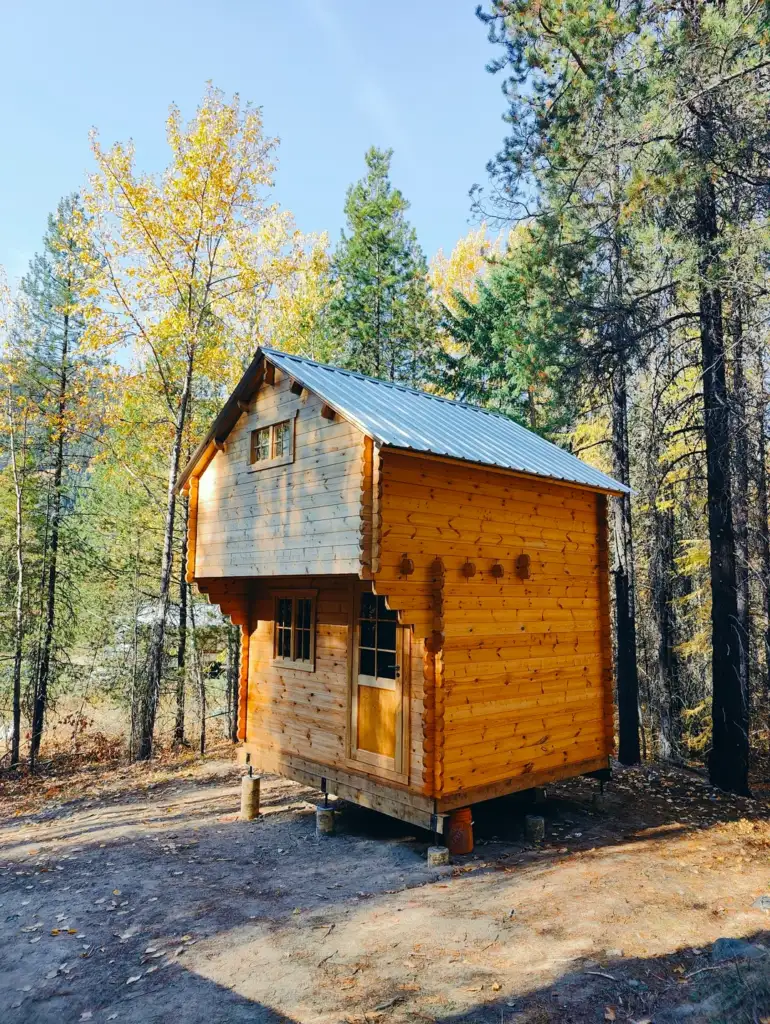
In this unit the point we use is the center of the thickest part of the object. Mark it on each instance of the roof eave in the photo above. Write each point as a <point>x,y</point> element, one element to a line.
<point>224,422</point>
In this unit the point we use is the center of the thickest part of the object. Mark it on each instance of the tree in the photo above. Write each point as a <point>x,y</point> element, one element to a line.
<point>381,313</point>
<point>59,379</point>
<point>188,264</point>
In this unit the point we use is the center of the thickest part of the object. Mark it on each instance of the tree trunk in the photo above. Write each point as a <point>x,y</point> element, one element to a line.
<point>184,591</point>
<point>729,757</point>
<point>623,574</point>
<point>233,679</point>
<point>201,681</point>
<point>662,571</point>
<point>40,702</point>
<point>740,503</point>
<point>150,689</point>
<point>763,510</point>
<point>18,631</point>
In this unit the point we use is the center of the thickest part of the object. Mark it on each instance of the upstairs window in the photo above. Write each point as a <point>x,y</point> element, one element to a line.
<point>272,445</point>
<point>294,633</point>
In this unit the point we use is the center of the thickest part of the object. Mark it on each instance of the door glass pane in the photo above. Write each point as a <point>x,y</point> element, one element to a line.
<point>382,611</point>
<point>366,662</point>
<point>368,633</point>
<point>386,664</point>
<point>386,636</point>
<point>376,638</point>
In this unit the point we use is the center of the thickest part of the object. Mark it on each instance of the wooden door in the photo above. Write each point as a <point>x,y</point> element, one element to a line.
<point>379,690</point>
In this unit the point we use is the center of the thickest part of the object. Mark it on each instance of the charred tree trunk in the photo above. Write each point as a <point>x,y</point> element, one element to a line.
<point>763,511</point>
<point>150,685</point>
<point>623,574</point>
<point>740,503</point>
<point>40,701</point>
<point>729,757</point>
<point>662,594</point>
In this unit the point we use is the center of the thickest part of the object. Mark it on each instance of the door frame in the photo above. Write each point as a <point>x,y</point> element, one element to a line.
<point>395,769</point>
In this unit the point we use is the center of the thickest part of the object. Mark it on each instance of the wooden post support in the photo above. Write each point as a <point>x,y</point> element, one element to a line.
<point>522,567</point>
<point>497,571</point>
<point>438,856</point>
<point>249,797</point>
<point>406,566</point>
<point>469,570</point>
<point>535,828</point>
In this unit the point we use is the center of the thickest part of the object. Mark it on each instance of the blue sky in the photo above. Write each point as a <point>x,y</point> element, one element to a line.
<point>333,77</point>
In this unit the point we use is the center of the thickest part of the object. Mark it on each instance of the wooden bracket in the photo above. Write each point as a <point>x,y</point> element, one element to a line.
<point>522,567</point>
<point>296,387</point>
<point>468,570</point>
<point>406,566</point>
<point>243,406</point>
<point>497,571</point>
<point>269,373</point>
<point>219,444</point>
<point>327,412</point>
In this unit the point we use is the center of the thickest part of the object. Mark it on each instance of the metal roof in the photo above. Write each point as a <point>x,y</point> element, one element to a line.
<point>401,417</point>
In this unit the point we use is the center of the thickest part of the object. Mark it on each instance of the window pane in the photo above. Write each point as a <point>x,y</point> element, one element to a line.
<point>261,444</point>
<point>305,644</point>
<point>366,662</point>
<point>386,636</point>
<point>283,642</point>
<point>368,606</point>
<point>280,439</point>
<point>303,613</point>
<point>382,611</point>
<point>283,615</point>
<point>367,634</point>
<point>386,664</point>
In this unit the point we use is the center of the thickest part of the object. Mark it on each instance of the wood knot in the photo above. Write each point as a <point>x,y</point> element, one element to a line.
<point>522,567</point>
<point>468,570</point>
<point>497,571</point>
<point>406,566</point>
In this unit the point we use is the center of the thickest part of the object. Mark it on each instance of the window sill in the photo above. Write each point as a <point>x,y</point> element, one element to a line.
<point>300,666</point>
<point>257,467</point>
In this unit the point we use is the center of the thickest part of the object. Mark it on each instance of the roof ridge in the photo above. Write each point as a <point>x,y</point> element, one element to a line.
<point>388,383</point>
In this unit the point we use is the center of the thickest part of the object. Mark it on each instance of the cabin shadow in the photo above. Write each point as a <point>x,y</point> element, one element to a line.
<point>701,986</point>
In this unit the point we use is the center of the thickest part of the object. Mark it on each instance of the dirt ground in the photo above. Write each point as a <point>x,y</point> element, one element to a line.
<point>133,894</point>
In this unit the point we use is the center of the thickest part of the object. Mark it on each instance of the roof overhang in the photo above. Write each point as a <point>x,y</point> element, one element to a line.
<point>251,380</point>
<point>229,415</point>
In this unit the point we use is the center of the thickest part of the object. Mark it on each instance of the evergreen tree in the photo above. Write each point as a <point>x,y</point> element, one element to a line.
<point>59,381</point>
<point>381,312</point>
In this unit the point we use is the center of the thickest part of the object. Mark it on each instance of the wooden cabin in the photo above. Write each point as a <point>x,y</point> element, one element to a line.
<point>421,587</point>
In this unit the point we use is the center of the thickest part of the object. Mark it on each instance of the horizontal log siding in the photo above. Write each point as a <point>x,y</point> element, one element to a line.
<point>526,664</point>
<point>292,712</point>
<point>299,518</point>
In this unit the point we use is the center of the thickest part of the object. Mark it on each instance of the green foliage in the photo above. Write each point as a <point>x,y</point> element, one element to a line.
<point>381,312</point>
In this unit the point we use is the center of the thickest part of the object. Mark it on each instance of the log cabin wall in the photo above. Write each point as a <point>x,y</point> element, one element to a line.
<point>522,674</point>
<point>292,517</point>
<point>295,717</point>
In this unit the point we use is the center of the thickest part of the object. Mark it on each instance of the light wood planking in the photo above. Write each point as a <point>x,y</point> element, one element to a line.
<point>248,521</point>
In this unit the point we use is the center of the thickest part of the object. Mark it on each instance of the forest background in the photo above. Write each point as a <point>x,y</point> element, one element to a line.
<point>612,296</point>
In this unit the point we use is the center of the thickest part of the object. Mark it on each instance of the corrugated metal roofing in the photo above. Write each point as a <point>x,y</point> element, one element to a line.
<point>402,417</point>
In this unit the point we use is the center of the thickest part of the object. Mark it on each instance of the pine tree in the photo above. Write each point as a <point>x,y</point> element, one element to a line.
<point>59,382</point>
<point>381,312</point>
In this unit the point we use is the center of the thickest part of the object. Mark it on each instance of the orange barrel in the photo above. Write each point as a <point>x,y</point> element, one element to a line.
<point>460,837</point>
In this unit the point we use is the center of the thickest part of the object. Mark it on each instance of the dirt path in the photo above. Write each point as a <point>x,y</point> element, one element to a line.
<point>160,906</point>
